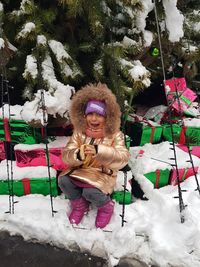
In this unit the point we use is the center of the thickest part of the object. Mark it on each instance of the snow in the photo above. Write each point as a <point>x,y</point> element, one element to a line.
<point>141,21</point>
<point>158,157</point>
<point>1,7</point>
<point>137,71</point>
<point>128,41</point>
<point>41,40</point>
<point>173,17</point>
<point>25,172</point>
<point>30,112</point>
<point>2,43</point>
<point>30,67</point>
<point>59,142</point>
<point>195,122</point>
<point>197,26</point>
<point>153,233</point>
<point>57,103</point>
<point>27,28</point>
<point>24,8</point>
<point>58,50</point>
<point>14,111</point>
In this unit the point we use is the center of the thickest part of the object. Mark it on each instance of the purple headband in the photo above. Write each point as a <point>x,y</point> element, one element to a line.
<point>96,106</point>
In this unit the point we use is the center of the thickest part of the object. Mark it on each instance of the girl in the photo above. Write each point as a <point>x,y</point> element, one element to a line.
<point>94,154</point>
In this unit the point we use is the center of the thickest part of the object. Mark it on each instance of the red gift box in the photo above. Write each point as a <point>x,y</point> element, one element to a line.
<point>2,151</point>
<point>183,173</point>
<point>175,84</point>
<point>195,150</point>
<point>181,101</point>
<point>37,157</point>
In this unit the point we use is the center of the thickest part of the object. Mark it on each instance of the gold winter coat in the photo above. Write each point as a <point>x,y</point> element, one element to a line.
<point>102,171</point>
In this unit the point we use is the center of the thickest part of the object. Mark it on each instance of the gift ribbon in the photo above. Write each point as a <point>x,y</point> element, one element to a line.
<point>186,100</point>
<point>184,175</point>
<point>6,129</point>
<point>152,134</point>
<point>157,178</point>
<point>182,97</point>
<point>26,185</point>
<point>182,139</point>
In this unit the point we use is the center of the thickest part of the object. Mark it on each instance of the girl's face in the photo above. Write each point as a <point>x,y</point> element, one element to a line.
<point>95,121</point>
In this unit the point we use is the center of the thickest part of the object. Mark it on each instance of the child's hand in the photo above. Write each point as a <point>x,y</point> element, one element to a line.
<point>82,152</point>
<point>90,150</point>
<point>87,150</point>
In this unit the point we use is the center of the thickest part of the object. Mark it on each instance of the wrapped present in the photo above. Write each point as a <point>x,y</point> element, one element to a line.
<point>156,113</point>
<point>190,135</point>
<point>29,186</point>
<point>181,101</point>
<point>18,131</point>
<point>35,155</point>
<point>194,150</point>
<point>182,134</point>
<point>183,173</point>
<point>143,132</point>
<point>28,180</point>
<point>2,151</point>
<point>193,111</point>
<point>38,157</point>
<point>159,178</point>
<point>122,197</point>
<point>177,133</point>
<point>175,84</point>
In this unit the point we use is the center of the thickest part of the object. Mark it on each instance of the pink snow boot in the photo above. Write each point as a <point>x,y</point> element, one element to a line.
<point>104,214</point>
<point>79,208</point>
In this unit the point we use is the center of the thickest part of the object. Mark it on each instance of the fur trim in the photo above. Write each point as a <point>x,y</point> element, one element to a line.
<point>99,92</point>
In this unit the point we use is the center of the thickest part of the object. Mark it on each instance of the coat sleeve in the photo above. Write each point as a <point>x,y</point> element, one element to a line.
<point>116,156</point>
<point>69,153</point>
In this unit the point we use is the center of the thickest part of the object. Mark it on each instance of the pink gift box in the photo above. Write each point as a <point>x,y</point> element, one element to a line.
<point>184,174</point>
<point>2,151</point>
<point>185,100</point>
<point>175,84</point>
<point>37,157</point>
<point>195,150</point>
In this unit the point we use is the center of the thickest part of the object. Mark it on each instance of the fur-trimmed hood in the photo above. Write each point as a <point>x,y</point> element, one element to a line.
<point>98,92</point>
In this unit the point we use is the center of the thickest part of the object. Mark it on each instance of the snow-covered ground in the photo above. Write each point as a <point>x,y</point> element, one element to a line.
<point>153,232</point>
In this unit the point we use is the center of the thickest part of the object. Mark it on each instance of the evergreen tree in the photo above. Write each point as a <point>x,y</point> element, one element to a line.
<point>66,44</point>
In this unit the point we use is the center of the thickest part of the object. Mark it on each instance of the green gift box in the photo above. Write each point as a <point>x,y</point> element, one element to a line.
<point>159,178</point>
<point>142,134</point>
<point>182,134</point>
<point>192,136</point>
<point>167,132</point>
<point>29,186</point>
<point>120,197</point>
<point>19,131</point>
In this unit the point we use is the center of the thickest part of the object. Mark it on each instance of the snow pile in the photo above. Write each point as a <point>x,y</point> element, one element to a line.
<point>59,142</point>
<point>153,233</point>
<point>26,30</point>
<point>173,17</point>
<point>55,104</point>
<point>14,112</point>
<point>25,172</point>
<point>149,158</point>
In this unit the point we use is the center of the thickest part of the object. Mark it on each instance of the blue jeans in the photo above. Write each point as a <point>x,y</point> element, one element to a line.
<point>72,191</point>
